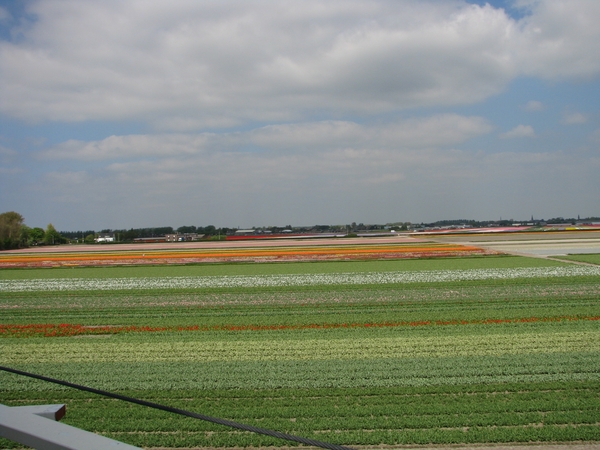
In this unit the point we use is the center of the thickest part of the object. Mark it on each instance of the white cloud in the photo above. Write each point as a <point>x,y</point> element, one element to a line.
<point>274,164</point>
<point>442,130</point>
<point>595,136</point>
<point>7,155</point>
<point>10,170</point>
<point>335,186</point>
<point>520,131</point>
<point>193,65</point>
<point>4,14</point>
<point>301,138</point>
<point>574,118</point>
<point>196,65</point>
<point>127,147</point>
<point>533,105</point>
<point>7,152</point>
<point>559,39</point>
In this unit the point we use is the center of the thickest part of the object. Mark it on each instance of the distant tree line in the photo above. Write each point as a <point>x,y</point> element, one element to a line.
<point>209,231</point>
<point>473,223</point>
<point>572,220</point>
<point>15,234</point>
<point>125,235</point>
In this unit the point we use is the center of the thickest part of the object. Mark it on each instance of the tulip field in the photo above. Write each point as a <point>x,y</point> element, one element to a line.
<point>391,352</point>
<point>275,251</point>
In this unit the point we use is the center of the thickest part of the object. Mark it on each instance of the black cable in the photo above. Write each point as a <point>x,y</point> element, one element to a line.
<point>183,412</point>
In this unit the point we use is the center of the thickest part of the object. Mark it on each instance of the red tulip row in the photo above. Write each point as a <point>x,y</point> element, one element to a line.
<point>67,329</point>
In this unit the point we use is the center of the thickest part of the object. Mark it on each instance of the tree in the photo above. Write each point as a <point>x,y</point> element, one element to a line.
<point>24,236</point>
<point>129,235</point>
<point>187,229</point>
<point>11,224</point>
<point>36,236</point>
<point>210,230</point>
<point>53,237</point>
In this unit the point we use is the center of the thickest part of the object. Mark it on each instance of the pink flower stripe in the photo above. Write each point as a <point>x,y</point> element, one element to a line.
<point>67,329</point>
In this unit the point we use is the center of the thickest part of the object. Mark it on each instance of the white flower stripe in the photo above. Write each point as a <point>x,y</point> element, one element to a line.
<point>242,281</point>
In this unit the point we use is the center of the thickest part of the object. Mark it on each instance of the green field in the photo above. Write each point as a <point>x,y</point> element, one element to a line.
<point>473,350</point>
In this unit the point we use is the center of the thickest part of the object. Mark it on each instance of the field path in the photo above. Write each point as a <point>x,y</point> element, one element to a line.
<point>532,244</point>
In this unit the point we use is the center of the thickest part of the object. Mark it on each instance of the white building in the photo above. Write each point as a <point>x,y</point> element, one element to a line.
<point>105,237</point>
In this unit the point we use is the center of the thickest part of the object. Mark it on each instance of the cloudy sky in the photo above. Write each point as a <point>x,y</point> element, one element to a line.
<point>119,114</point>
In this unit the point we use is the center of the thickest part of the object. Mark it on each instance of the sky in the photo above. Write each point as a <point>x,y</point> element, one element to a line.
<point>144,113</point>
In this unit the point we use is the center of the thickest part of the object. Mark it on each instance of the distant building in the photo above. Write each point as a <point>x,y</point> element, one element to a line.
<point>183,237</point>
<point>244,232</point>
<point>105,237</point>
<point>149,239</point>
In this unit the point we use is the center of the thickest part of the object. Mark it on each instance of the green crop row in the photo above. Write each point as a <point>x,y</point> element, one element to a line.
<point>395,415</point>
<point>307,345</point>
<point>424,371</point>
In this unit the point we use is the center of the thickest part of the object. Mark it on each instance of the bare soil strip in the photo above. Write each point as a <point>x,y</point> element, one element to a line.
<point>540,245</point>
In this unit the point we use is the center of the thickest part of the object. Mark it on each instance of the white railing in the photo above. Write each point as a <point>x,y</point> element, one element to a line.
<point>38,427</point>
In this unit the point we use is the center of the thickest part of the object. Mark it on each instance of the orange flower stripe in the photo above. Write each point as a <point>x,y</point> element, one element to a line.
<point>282,252</point>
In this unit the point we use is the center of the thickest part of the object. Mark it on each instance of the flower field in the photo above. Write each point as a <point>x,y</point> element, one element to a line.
<point>462,350</point>
<point>316,252</point>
